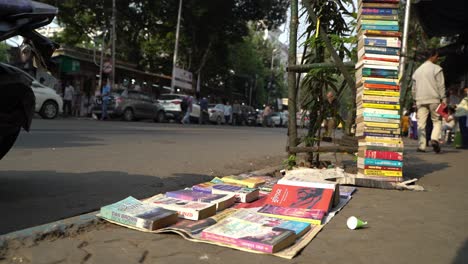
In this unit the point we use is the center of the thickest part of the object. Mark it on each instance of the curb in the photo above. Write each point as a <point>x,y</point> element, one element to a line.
<point>76,224</point>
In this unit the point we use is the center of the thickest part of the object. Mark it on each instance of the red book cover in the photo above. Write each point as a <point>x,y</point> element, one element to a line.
<point>300,197</point>
<point>379,59</point>
<point>387,155</point>
<point>442,110</point>
<point>381,86</point>
<point>373,167</point>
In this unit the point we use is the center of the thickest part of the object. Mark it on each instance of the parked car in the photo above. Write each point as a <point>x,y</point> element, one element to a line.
<point>48,103</point>
<point>130,105</point>
<point>216,113</point>
<point>171,105</point>
<point>279,119</point>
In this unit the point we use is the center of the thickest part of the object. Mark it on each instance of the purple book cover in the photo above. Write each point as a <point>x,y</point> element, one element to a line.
<point>293,212</point>
<point>190,195</point>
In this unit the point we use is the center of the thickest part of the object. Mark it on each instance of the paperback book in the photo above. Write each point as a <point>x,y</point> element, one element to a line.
<point>185,209</point>
<point>222,201</point>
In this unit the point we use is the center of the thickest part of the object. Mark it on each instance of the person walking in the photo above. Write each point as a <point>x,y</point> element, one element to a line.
<point>227,112</point>
<point>105,101</point>
<point>413,124</point>
<point>267,116</point>
<point>68,99</point>
<point>461,113</point>
<point>189,106</point>
<point>429,91</point>
<point>331,111</point>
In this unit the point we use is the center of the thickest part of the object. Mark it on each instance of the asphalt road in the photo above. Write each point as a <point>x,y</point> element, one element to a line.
<point>66,167</point>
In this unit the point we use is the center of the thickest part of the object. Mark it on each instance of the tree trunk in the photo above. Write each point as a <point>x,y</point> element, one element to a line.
<point>292,94</point>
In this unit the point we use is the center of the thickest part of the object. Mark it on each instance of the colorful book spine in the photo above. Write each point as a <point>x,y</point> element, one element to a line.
<point>381,162</point>
<point>383,173</point>
<point>388,155</point>
<point>379,11</point>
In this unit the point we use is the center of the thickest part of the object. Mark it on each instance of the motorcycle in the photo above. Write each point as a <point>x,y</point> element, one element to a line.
<point>21,18</point>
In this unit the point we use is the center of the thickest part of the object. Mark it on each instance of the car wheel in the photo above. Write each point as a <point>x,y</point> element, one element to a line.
<point>128,115</point>
<point>219,121</point>
<point>160,117</point>
<point>49,110</point>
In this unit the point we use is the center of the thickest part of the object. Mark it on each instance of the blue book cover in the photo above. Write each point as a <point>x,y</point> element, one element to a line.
<point>380,27</point>
<point>380,162</point>
<point>380,82</point>
<point>382,50</point>
<point>381,115</point>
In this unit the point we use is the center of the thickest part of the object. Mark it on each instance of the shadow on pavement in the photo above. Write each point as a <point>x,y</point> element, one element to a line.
<point>462,254</point>
<point>417,167</point>
<point>30,198</point>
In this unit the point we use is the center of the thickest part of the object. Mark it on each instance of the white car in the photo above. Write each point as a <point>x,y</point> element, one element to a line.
<point>216,113</point>
<point>48,103</point>
<point>171,105</point>
<point>279,119</point>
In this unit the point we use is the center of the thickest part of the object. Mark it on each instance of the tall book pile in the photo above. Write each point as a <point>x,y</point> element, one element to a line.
<point>380,154</point>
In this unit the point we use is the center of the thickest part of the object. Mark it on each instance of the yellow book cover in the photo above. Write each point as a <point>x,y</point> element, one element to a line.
<point>383,140</point>
<point>250,182</point>
<point>381,93</point>
<point>381,106</point>
<point>375,124</point>
<point>292,218</point>
<point>386,173</point>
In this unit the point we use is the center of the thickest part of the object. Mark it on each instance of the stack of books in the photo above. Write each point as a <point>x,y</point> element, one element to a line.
<point>378,128</point>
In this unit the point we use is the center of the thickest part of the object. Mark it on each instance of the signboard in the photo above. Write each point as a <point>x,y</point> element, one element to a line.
<point>69,65</point>
<point>182,78</point>
<point>107,67</point>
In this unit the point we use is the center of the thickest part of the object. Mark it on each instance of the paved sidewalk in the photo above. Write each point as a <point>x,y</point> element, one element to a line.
<point>404,227</point>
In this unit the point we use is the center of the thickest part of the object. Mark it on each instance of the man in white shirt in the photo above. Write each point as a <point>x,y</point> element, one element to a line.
<point>67,99</point>
<point>428,92</point>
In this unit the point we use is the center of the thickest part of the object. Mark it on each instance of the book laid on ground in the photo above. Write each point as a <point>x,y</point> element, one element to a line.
<point>207,186</point>
<point>185,209</point>
<point>312,216</point>
<point>305,180</point>
<point>248,181</point>
<point>133,212</point>
<point>243,194</point>
<point>251,215</point>
<point>222,201</point>
<point>301,197</point>
<point>192,227</point>
<point>250,235</point>
<point>255,204</point>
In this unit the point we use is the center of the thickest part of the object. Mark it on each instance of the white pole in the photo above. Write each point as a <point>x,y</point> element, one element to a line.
<point>174,60</point>
<point>404,44</point>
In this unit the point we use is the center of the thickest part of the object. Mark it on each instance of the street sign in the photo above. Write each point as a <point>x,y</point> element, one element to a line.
<point>107,67</point>
<point>182,78</point>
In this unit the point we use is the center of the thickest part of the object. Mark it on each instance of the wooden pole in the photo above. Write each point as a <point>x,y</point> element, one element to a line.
<point>292,93</point>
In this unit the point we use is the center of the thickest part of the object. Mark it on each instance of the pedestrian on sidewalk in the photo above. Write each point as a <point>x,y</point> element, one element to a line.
<point>227,112</point>
<point>267,116</point>
<point>204,115</point>
<point>429,91</point>
<point>461,113</point>
<point>105,101</point>
<point>405,124</point>
<point>413,124</point>
<point>68,99</point>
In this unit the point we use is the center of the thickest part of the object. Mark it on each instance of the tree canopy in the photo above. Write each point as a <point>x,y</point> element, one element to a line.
<point>146,29</point>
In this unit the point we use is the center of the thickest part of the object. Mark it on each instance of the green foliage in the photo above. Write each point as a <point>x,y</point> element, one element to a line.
<point>290,162</point>
<point>145,30</point>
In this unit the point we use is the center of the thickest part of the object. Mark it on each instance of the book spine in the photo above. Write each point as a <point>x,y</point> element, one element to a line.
<point>240,182</point>
<point>379,22</point>
<point>383,173</point>
<point>237,242</point>
<point>379,162</point>
<point>293,218</point>
<point>122,218</point>
<point>382,93</point>
<point>380,17</point>
<point>381,27</point>
<point>370,167</point>
<point>380,102</point>
<point>379,11</point>
<point>372,134</point>
<point>382,50</point>
<point>381,106</point>
<point>387,155</point>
